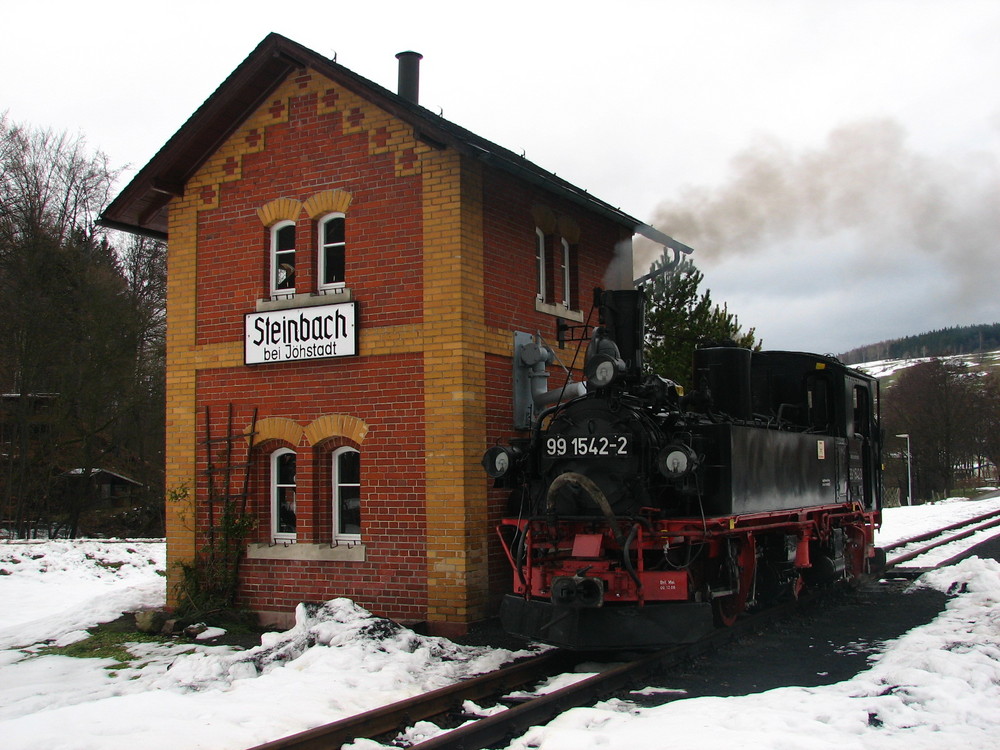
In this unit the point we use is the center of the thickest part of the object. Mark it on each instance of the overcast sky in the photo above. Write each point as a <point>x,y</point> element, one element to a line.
<point>835,165</point>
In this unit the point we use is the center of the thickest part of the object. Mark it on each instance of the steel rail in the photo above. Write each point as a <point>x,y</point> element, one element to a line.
<point>968,527</point>
<point>490,730</point>
<point>402,713</point>
<point>499,729</point>
<point>937,532</point>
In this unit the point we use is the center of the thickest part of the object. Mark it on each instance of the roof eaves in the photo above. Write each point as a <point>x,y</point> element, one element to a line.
<point>140,207</point>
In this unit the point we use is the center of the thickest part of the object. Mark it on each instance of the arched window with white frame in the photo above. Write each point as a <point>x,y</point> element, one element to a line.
<point>283,258</point>
<point>332,261</point>
<point>346,494</point>
<point>283,508</point>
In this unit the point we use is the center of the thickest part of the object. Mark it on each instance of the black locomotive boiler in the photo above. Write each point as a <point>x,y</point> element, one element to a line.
<point>641,516</point>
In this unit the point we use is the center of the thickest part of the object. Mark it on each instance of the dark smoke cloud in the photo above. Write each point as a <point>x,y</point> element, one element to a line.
<point>894,206</point>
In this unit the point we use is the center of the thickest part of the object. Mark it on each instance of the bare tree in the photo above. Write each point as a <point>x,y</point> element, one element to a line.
<point>81,371</point>
<point>985,424</point>
<point>935,403</point>
<point>143,263</point>
<point>50,182</point>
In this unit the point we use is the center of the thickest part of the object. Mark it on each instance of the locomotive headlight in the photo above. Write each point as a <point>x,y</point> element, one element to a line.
<point>499,459</point>
<point>602,369</point>
<point>676,461</point>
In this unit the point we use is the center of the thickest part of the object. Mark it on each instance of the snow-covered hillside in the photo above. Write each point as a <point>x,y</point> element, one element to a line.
<point>885,368</point>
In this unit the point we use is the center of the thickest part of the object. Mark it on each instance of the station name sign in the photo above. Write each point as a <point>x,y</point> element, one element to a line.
<point>301,333</point>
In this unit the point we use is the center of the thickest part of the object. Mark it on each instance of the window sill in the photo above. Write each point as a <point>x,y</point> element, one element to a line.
<point>306,299</point>
<point>560,311</point>
<point>307,552</point>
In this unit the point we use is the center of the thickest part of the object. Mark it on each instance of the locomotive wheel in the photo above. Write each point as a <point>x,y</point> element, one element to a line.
<point>739,570</point>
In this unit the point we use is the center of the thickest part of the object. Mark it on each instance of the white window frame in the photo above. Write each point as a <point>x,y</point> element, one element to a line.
<point>336,485</point>
<point>276,487</point>
<point>322,247</point>
<point>274,257</point>
<point>539,264</point>
<point>567,290</point>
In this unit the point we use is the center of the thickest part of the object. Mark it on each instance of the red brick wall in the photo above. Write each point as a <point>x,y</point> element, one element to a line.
<point>509,229</point>
<point>304,156</point>
<point>392,497</point>
<point>304,153</point>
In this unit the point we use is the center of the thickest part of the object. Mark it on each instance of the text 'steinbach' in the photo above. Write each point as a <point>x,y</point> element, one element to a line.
<point>301,333</point>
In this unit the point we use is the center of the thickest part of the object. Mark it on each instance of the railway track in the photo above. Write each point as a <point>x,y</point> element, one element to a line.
<point>905,550</point>
<point>497,729</point>
<point>445,700</point>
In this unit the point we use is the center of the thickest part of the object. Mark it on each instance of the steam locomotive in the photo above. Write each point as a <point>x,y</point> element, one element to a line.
<point>642,516</point>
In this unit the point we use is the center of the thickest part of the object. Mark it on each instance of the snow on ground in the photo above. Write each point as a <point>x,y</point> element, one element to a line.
<point>52,589</point>
<point>909,521</point>
<point>937,686</point>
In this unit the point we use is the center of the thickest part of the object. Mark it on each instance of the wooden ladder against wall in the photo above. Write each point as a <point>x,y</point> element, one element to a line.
<point>233,494</point>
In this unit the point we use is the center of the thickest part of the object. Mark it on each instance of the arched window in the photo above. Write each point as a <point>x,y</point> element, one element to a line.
<point>283,508</point>
<point>332,251</point>
<point>346,494</point>
<point>283,258</point>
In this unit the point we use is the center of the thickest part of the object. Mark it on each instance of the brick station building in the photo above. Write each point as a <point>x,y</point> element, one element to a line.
<point>347,275</point>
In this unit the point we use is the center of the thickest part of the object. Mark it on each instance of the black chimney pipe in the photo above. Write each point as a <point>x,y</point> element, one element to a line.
<point>409,75</point>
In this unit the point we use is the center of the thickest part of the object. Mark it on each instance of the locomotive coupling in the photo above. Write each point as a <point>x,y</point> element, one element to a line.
<point>577,591</point>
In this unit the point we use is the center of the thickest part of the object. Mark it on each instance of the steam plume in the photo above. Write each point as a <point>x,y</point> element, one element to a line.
<point>894,205</point>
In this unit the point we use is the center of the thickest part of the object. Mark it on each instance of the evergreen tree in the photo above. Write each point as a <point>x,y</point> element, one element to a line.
<point>82,333</point>
<point>679,319</point>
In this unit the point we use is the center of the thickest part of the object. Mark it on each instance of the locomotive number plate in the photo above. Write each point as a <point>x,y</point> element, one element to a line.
<point>614,446</point>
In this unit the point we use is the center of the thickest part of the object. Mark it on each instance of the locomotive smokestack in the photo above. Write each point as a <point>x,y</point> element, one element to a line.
<point>623,313</point>
<point>408,86</point>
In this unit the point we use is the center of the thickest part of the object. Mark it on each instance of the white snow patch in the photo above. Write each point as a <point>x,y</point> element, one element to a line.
<point>937,686</point>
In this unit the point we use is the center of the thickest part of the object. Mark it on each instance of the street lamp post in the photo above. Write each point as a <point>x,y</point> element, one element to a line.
<point>909,471</point>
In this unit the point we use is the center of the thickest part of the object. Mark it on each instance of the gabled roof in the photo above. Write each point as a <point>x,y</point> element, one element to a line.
<point>141,207</point>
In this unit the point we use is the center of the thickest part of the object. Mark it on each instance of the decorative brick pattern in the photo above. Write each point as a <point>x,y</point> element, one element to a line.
<point>276,428</point>
<point>280,209</point>
<point>334,426</point>
<point>329,201</point>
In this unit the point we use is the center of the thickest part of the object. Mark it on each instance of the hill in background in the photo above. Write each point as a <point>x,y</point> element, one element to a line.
<point>948,342</point>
